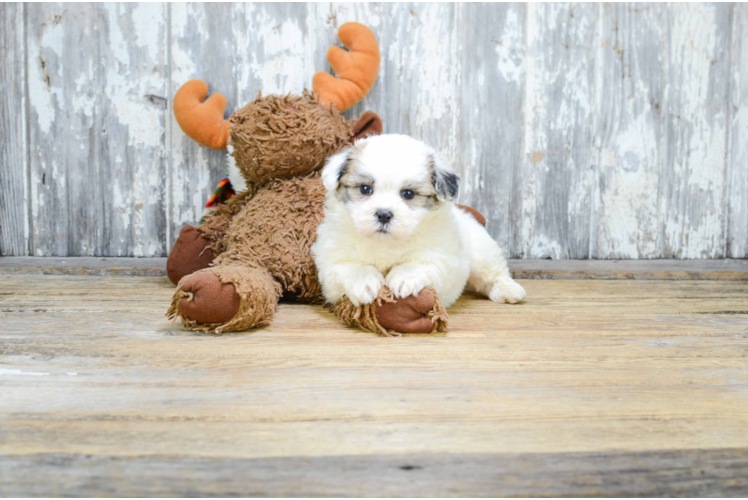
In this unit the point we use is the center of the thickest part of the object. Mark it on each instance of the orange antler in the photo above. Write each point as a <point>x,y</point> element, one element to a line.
<point>357,70</point>
<point>202,120</point>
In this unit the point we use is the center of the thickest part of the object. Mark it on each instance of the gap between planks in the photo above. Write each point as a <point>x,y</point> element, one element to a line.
<point>661,269</point>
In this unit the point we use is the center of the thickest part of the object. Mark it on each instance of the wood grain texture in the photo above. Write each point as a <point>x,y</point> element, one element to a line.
<point>490,154</point>
<point>274,49</point>
<point>581,131</point>
<point>557,180</point>
<point>64,129</point>
<point>693,190</point>
<point>737,194</point>
<point>14,202</point>
<point>97,92</point>
<point>630,132</point>
<point>596,387</point>
<point>689,473</point>
<point>134,93</point>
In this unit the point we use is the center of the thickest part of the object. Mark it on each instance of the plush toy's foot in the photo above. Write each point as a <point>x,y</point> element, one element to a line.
<point>191,253</point>
<point>390,316</point>
<point>409,314</point>
<point>205,299</point>
<point>225,299</point>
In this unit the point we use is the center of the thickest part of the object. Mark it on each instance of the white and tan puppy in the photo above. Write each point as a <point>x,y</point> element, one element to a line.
<point>390,219</point>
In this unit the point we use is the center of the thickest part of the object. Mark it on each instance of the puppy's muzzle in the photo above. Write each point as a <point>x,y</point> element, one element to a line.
<point>384,216</point>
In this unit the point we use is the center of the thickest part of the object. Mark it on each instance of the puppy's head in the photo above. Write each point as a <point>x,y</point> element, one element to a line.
<point>389,184</point>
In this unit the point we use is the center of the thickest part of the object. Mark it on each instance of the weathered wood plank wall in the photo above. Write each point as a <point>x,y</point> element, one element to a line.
<point>580,130</point>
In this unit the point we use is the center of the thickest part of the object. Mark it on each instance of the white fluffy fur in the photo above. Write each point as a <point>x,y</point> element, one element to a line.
<point>430,242</point>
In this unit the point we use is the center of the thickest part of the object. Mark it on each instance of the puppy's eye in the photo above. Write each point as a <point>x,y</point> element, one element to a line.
<point>407,194</point>
<point>366,190</point>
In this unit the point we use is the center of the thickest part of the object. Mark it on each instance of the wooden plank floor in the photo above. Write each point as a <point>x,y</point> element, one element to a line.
<point>591,387</point>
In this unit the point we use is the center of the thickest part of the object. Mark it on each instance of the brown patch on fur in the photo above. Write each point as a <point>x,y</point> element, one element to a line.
<point>350,177</point>
<point>278,137</point>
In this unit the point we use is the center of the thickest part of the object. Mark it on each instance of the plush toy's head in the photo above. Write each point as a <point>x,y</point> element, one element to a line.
<point>286,136</point>
<point>278,137</point>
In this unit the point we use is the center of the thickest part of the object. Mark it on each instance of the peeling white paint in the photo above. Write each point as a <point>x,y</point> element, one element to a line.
<point>535,105</point>
<point>694,226</point>
<point>544,248</point>
<point>277,58</point>
<point>184,66</point>
<point>510,49</point>
<point>431,57</point>
<point>43,87</point>
<point>126,94</point>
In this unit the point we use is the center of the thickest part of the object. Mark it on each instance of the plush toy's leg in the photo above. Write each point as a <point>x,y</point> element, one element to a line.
<point>190,253</point>
<point>390,316</point>
<point>226,298</point>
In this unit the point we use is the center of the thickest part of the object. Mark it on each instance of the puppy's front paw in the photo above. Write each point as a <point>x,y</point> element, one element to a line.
<point>507,290</point>
<point>365,288</point>
<point>404,281</point>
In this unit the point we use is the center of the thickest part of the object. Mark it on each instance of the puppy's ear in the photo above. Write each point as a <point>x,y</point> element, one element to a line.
<point>335,168</point>
<point>446,182</point>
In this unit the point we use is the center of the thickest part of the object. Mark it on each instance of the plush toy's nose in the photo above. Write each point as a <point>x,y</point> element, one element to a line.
<point>384,216</point>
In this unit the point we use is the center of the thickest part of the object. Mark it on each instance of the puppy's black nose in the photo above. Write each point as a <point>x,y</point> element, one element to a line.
<point>384,216</point>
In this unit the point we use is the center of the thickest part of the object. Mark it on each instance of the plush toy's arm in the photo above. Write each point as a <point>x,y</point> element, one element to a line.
<point>357,68</point>
<point>202,120</point>
<point>216,223</point>
<point>390,316</point>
